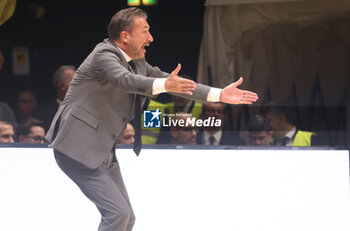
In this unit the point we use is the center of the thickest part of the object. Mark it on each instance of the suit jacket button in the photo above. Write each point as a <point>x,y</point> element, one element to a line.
<point>124,119</point>
<point>114,137</point>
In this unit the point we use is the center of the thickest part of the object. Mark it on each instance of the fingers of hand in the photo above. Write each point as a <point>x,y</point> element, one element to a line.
<point>186,88</point>
<point>249,99</point>
<point>187,84</point>
<point>238,82</point>
<point>180,85</point>
<point>250,95</point>
<point>177,70</point>
<point>186,92</point>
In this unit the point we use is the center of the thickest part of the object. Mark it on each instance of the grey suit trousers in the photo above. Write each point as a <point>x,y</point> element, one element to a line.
<point>104,186</point>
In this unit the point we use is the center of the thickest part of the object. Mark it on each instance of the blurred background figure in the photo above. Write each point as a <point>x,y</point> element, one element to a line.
<point>26,104</point>
<point>259,132</point>
<point>127,136</point>
<point>6,132</point>
<point>282,123</point>
<point>31,131</point>
<point>217,135</point>
<point>7,114</point>
<point>61,80</point>
<point>182,134</point>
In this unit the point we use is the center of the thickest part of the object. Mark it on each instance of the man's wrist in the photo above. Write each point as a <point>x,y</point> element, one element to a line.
<point>214,94</point>
<point>158,86</point>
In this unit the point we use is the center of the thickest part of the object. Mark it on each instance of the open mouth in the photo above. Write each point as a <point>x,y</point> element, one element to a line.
<point>145,45</point>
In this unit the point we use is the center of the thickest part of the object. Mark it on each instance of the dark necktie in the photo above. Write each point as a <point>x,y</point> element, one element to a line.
<point>285,141</point>
<point>137,116</point>
<point>282,141</point>
<point>211,140</point>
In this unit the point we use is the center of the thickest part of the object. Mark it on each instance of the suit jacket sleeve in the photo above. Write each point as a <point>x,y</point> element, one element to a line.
<point>109,66</point>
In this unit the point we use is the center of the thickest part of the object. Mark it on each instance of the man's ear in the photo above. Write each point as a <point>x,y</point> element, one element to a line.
<point>124,36</point>
<point>61,86</point>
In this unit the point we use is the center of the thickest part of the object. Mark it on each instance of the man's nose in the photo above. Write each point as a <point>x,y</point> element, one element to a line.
<point>150,38</point>
<point>193,133</point>
<point>11,140</point>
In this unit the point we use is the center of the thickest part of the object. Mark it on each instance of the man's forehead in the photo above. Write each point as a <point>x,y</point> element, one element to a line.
<point>141,22</point>
<point>36,128</point>
<point>257,133</point>
<point>129,132</point>
<point>6,129</point>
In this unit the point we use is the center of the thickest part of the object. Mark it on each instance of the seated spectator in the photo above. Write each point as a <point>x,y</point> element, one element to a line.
<point>127,136</point>
<point>259,132</point>
<point>31,131</point>
<point>26,104</point>
<point>182,134</point>
<point>61,80</point>
<point>213,135</point>
<point>6,132</point>
<point>285,132</point>
<point>7,114</point>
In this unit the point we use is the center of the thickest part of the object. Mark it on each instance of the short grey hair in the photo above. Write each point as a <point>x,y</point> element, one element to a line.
<point>60,75</point>
<point>122,21</point>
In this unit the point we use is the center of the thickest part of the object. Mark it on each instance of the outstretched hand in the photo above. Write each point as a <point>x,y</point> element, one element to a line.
<point>232,95</point>
<point>176,84</point>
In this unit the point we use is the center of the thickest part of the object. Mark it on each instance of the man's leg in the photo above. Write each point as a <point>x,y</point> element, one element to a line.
<point>100,187</point>
<point>118,179</point>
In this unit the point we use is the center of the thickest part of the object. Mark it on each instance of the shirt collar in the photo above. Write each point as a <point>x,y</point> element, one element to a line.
<point>291,133</point>
<point>217,135</point>
<point>58,101</point>
<point>127,57</point>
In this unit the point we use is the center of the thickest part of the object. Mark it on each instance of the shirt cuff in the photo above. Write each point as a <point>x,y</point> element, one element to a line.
<point>158,86</point>
<point>214,95</point>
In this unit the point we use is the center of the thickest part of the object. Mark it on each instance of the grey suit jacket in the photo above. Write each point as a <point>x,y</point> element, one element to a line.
<point>100,102</point>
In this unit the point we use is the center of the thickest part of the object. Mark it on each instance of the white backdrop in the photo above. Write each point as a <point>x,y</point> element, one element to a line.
<point>186,190</point>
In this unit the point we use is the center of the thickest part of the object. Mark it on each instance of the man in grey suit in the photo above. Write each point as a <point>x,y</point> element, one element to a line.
<point>100,102</point>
